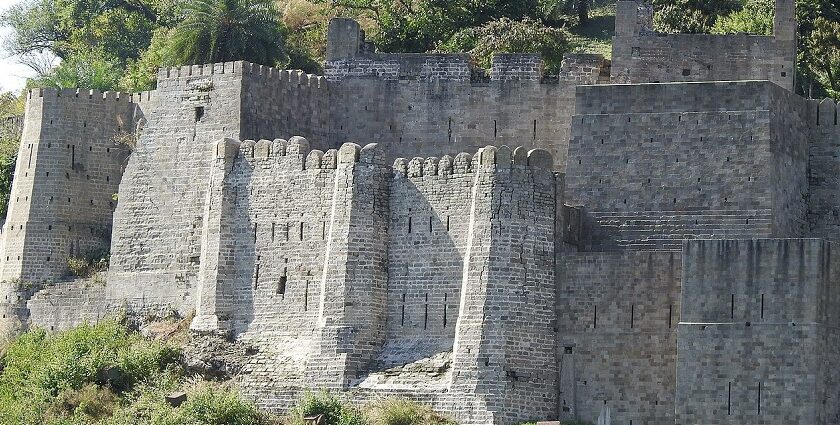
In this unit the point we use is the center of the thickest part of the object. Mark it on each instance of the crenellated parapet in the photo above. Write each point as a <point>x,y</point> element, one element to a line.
<point>295,154</point>
<point>489,157</point>
<point>80,93</point>
<point>68,168</point>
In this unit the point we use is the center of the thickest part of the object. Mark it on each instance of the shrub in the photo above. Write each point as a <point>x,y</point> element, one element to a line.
<point>90,402</point>
<point>217,406</point>
<point>505,35</point>
<point>40,371</point>
<point>335,410</point>
<point>398,411</point>
<point>92,263</point>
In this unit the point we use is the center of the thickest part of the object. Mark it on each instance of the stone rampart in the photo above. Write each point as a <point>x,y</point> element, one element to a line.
<point>654,164</point>
<point>155,254</point>
<point>327,312</point>
<point>757,336</point>
<point>618,319</point>
<point>641,55</point>
<point>69,165</point>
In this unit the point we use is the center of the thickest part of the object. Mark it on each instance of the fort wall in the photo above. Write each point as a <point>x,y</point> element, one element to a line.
<point>285,102</point>
<point>68,169</point>
<point>755,317</point>
<point>504,357</point>
<point>618,334</point>
<point>447,114</point>
<point>428,228</point>
<point>824,169</point>
<point>654,164</point>
<point>155,254</point>
<point>308,285</point>
<point>641,55</point>
<point>436,104</point>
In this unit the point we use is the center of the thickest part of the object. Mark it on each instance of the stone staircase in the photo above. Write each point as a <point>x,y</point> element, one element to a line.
<point>665,230</point>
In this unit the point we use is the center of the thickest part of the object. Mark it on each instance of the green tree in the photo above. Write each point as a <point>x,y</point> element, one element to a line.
<point>691,16</point>
<point>91,37</point>
<point>822,55</point>
<point>11,122</point>
<point>91,70</point>
<point>755,18</point>
<point>508,36</point>
<point>424,25</point>
<point>123,28</point>
<point>225,30</point>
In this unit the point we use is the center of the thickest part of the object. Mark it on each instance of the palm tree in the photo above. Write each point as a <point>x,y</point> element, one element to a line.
<point>226,30</point>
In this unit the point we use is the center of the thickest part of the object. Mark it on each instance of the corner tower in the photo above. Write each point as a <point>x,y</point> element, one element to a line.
<point>67,172</point>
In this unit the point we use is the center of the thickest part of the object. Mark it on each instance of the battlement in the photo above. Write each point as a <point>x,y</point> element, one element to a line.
<point>823,113</point>
<point>464,163</point>
<point>49,93</point>
<point>243,68</point>
<point>266,153</point>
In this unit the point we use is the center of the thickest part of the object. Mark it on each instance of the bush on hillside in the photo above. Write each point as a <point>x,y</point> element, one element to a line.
<point>41,373</point>
<point>335,410</point>
<point>399,411</point>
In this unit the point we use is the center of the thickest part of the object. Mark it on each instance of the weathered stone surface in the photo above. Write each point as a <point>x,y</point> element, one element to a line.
<point>597,250</point>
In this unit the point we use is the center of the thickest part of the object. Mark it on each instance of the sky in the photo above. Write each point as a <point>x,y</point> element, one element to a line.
<point>12,74</point>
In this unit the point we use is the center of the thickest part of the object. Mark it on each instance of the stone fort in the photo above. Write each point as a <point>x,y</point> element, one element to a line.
<point>653,234</point>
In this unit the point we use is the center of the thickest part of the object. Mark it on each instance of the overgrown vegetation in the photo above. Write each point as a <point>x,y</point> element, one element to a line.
<point>90,264</point>
<point>11,125</point>
<point>390,411</point>
<point>105,374</point>
<point>398,411</point>
<point>119,44</point>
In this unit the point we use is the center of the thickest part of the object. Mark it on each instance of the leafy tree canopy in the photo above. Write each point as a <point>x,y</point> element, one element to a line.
<point>225,30</point>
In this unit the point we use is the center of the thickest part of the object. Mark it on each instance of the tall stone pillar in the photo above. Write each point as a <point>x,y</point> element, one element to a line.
<point>353,287</point>
<point>504,356</point>
<point>217,271</point>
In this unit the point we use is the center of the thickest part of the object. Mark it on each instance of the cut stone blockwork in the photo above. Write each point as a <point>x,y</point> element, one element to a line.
<point>646,248</point>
